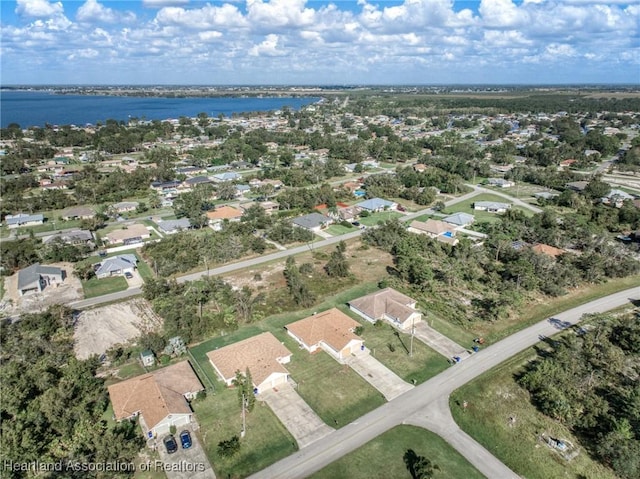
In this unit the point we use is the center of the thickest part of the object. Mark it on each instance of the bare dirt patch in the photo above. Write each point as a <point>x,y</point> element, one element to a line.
<point>99,329</point>
<point>69,291</point>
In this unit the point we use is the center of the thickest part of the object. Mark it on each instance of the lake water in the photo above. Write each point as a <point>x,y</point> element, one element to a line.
<point>36,108</point>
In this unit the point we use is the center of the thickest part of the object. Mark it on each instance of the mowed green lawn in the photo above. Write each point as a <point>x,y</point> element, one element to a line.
<point>392,348</point>
<point>480,216</point>
<point>266,440</point>
<point>375,218</point>
<point>334,391</point>
<point>97,287</point>
<point>337,230</point>
<point>495,397</point>
<point>382,458</point>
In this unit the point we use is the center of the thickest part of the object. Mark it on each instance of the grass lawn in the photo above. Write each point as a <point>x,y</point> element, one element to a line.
<point>492,399</point>
<point>336,230</point>
<point>424,364</point>
<point>143,269</point>
<point>383,457</point>
<point>374,218</point>
<point>461,336</point>
<point>131,370</point>
<point>333,390</point>
<point>97,287</point>
<point>467,207</point>
<point>266,440</point>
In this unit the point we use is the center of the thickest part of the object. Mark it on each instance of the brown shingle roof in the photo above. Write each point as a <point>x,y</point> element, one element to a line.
<point>259,353</point>
<point>385,302</point>
<point>155,395</point>
<point>224,213</point>
<point>332,327</point>
<point>132,231</point>
<point>434,227</point>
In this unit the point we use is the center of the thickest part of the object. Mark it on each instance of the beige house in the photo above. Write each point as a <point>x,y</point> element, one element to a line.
<point>133,234</point>
<point>436,229</point>
<point>263,355</point>
<point>222,213</point>
<point>160,399</point>
<point>331,331</point>
<point>388,305</point>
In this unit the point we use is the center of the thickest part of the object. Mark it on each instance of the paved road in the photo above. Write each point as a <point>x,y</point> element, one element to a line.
<point>425,402</point>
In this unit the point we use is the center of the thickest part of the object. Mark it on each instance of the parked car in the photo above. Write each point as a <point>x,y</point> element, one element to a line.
<point>356,223</point>
<point>170,444</point>
<point>401,208</point>
<point>185,439</point>
<point>128,275</point>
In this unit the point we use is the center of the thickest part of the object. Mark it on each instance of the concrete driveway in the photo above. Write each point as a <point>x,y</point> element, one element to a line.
<point>378,375</point>
<point>189,463</point>
<point>296,415</point>
<point>136,281</point>
<point>438,341</point>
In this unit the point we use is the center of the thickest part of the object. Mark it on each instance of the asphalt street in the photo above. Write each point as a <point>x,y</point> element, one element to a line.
<point>427,404</point>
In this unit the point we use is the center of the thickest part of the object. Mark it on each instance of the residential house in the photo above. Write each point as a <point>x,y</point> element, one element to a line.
<point>436,229</point>
<point>491,206</point>
<point>263,355</point>
<point>616,198</point>
<point>420,168</point>
<point>312,221</point>
<point>195,181</point>
<point>165,185</point>
<point>577,185</point>
<point>22,220</point>
<point>170,227</point>
<point>160,399</point>
<point>376,204</point>
<point>277,184</point>
<point>331,331</point>
<point>36,278</point>
<point>227,176</point>
<point>133,234</point>
<point>348,213</point>
<point>191,170</point>
<point>269,206</point>
<point>125,206</point>
<point>500,182</point>
<point>460,220</point>
<point>223,213</point>
<point>241,190</point>
<point>78,213</point>
<point>117,266</point>
<point>545,195</point>
<point>70,237</point>
<point>388,305</point>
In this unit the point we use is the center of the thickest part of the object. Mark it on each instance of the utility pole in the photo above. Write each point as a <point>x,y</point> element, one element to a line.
<point>244,424</point>
<point>413,330</point>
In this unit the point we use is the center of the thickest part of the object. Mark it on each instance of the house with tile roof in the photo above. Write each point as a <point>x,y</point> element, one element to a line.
<point>132,234</point>
<point>159,399</point>
<point>387,305</point>
<point>331,331</point>
<point>436,229</point>
<point>223,213</point>
<point>78,213</point>
<point>263,355</point>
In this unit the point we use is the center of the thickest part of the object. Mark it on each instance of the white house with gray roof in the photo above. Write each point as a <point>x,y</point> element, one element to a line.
<point>376,204</point>
<point>459,219</point>
<point>312,221</point>
<point>491,206</point>
<point>35,278</point>
<point>117,266</point>
<point>170,227</point>
<point>22,220</point>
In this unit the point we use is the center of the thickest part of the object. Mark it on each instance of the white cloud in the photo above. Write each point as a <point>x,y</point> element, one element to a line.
<point>501,13</point>
<point>84,53</point>
<point>279,13</point>
<point>93,11</point>
<point>226,16</point>
<point>163,3</point>
<point>39,8</point>
<point>209,36</point>
<point>268,48</point>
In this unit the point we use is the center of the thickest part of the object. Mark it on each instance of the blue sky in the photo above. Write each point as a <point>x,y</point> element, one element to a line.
<point>319,42</point>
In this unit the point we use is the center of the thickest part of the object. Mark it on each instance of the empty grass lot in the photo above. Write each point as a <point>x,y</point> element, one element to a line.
<point>266,440</point>
<point>98,287</point>
<point>391,347</point>
<point>492,399</point>
<point>337,230</point>
<point>375,218</point>
<point>382,458</point>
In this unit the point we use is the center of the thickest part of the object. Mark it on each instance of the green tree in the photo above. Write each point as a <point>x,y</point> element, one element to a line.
<point>418,466</point>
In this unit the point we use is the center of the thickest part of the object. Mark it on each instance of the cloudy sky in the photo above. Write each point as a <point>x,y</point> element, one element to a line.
<point>319,42</point>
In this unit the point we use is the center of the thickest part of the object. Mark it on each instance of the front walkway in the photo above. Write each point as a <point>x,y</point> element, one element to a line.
<point>296,415</point>
<point>378,375</point>
<point>438,341</point>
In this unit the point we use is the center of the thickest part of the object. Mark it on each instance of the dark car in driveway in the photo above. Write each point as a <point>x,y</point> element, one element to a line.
<point>185,439</point>
<point>170,444</point>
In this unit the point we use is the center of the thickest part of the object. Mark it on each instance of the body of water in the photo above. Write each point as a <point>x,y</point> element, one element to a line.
<point>37,108</point>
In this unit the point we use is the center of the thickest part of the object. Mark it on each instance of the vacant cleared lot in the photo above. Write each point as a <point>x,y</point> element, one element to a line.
<point>98,329</point>
<point>383,457</point>
<point>494,398</point>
